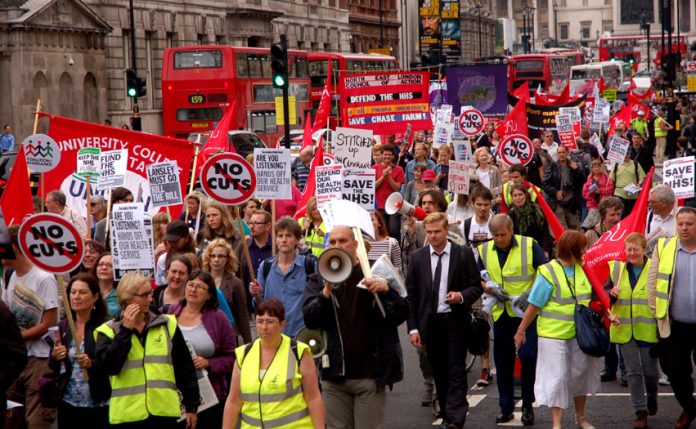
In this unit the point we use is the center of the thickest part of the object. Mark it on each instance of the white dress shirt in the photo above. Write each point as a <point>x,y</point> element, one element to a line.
<point>442,287</point>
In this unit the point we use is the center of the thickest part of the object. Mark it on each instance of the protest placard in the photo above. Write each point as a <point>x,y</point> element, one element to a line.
<point>131,240</point>
<point>164,183</point>
<point>273,177</point>
<point>359,187</point>
<point>462,150</point>
<point>329,183</point>
<point>564,126</point>
<point>442,134</point>
<point>600,113</point>
<point>678,174</point>
<point>113,165</point>
<point>353,147</point>
<point>444,114</point>
<point>617,149</point>
<point>88,162</point>
<point>458,177</point>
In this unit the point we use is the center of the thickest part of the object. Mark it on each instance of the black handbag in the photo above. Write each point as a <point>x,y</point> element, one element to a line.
<point>477,339</point>
<point>590,332</point>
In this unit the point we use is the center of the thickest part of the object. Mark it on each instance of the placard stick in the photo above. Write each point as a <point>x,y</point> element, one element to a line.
<point>89,220</point>
<point>108,216</point>
<point>198,221</point>
<point>197,148</point>
<point>273,221</point>
<point>169,215</point>
<point>245,248</point>
<point>36,129</point>
<point>69,317</point>
<point>361,253</point>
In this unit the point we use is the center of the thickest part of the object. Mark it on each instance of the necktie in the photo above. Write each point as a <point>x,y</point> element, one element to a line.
<point>436,282</point>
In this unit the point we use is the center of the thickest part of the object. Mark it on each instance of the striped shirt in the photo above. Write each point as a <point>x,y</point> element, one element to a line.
<point>390,247</point>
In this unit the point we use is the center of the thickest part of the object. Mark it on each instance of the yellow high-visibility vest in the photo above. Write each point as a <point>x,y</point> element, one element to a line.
<point>314,241</point>
<point>507,193</point>
<point>631,307</point>
<point>667,252</point>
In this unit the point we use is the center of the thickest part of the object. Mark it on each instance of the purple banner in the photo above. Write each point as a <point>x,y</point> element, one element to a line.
<point>482,86</point>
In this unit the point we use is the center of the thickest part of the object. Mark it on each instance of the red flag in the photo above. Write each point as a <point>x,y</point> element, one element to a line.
<point>642,96</point>
<point>610,246</point>
<point>522,92</point>
<point>632,86</point>
<point>311,186</point>
<point>218,140</point>
<point>555,224</point>
<point>307,135</point>
<point>636,105</point>
<point>564,96</point>
<point>16,199</point>
<point>601,86</point>
<point>321,120</point>
<point>622,117</point>
<point>515,122</point>
<point>541,99</point>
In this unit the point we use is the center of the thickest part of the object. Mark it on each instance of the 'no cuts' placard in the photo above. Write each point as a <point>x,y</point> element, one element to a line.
<point>51,242</point>
<point>131,240</point>
<point>617,148</point>
<point>359,187</point>
<point>273,177</point>
<point>353,147</point>
<point>228,178</point>
<point>164,183</point>
<point>516,149</point>
<point>329,183</point>
<point>678,174</point>
<point>112,169</point>
<point>471,122</point>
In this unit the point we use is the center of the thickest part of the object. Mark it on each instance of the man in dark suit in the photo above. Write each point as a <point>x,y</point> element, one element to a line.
<point>443,282</point>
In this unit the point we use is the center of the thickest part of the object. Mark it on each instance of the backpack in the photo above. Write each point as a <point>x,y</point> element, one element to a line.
<point>310,261</point>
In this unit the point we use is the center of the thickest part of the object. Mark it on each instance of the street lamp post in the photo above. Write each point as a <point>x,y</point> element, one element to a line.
<point>524,32</point>
<point>645,26</point>
<point>528,14</point>
<point>478,8</point>
<point>555,20</point>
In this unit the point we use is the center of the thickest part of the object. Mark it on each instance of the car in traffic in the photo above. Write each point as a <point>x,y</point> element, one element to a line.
<point>244,142</point>
<point>7,161</point>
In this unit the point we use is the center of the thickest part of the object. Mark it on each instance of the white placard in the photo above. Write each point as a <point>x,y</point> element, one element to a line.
<point>564,125</point>
<point>113,165</point>
<point>329,183</point>
<point>353,147</point>
<point>462,150</point>
<point>596,142</point>
<point>165,187</point>
<point>458,177</point>
<point>617,149</point>
<point>574,113</point>
<point>273,177</point>
<point>601,110</point>
<point>678,174</point>
<point>88,162</point>
<point>443,134</point>
<point>132,244</point>
<point>42,153</point>
<point>444,114</point>
<point>359,187</point>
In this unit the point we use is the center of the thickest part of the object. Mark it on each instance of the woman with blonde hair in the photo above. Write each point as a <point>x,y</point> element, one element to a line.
<point>218,224</point>
<point>195,206</point>
<point>159,229</point>
<point>313,227</point>
<point>220,260</point>
<point>488,174</point>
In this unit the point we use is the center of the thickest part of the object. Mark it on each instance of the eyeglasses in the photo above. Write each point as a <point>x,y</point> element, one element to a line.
<point>218,256</point>
<point>192,285</point>
<point>144,295</point>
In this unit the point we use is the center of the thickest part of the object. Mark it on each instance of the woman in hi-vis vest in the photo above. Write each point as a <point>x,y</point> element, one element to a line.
<point>563,371</point>
<point>274,381</point>
<point>637,333</point>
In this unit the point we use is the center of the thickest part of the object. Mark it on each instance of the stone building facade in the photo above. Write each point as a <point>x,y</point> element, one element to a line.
<point>73,54</point>
<point>368,31</point>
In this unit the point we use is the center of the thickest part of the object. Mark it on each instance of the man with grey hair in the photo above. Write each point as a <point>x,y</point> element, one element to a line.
<point>56,203</point>
<point>300,167</point>
<point>661,216</point>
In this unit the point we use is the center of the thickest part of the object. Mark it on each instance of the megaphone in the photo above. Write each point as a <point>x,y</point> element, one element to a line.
<point>396,204</point>
<point>335,266</point>
<point>316,340</point>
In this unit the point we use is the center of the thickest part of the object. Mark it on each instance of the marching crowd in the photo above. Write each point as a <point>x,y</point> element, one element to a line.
<point>210,340</point>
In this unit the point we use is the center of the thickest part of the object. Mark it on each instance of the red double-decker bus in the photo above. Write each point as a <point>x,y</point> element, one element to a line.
<point>551,72</point>
<point>199,83</point>
<point>634,49</point>
<point>342,63</point>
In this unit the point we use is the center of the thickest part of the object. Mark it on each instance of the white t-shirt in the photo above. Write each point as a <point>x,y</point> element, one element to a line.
<point>28,297</point>
<point>484,178</point>
<point>479,233</point>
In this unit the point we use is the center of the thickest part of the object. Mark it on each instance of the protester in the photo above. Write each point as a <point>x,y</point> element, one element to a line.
<point>220,261</point>
<point>637,334</point>
<point>97,211</point>
<point>14,355</point>
<point>210,338</point>
<point>562,184</point>
<point>383,244</point>
<point>194,212</point>
<point>488,175</point>
<point>475,229</point>
<point>119,195</point>
<point>420,151</point>
<point>390,178</point>
<point>442,167</point>
<point>7,140</point>
<point>550,146</point>
<point>516,174</point>
<point>248,209</point>
<point>539,161</point>
<point>300,168</point>
<point>32,296</point>
<point>93,249</point>
<point>596,188</point>
<point>610,209</point>
<point>103,271</point>
<point>415,186</point>
<point>219,224</point>
<point>461,209</point>
<point>661,219</point>
<point>624,174</point>
<point>178,240</point>
<point>363,343</point>
<point>56,203</point>
<point>260,247</point>
<point>641,153</point>
<point>274,356</point>
<point>159,230</point>
<point>528,219</point>
<point>377,151</point>
<point>84,388</point>
<point>178,270</point>
<point>313,228</point>
<point>662,129</point>
<point>564,372</point>
<point>146,395</point>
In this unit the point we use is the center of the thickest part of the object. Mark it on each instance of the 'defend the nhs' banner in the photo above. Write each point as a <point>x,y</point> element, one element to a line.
<point>385,102</point>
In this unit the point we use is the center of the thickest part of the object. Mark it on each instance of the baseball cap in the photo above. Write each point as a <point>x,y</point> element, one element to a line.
<point>641,113</point>
<point>176,230</point>
<point>428,175</point>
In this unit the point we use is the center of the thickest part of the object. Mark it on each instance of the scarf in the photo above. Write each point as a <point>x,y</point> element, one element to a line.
<point>527,215</point>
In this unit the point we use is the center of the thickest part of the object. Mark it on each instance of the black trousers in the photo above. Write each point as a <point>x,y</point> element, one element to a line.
<point>504,354</point>
<point>676,357</point>
<point>72,417</point>
<point>446,349</point>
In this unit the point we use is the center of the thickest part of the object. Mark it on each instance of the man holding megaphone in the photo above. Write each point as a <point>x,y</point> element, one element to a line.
<point>363,353</point>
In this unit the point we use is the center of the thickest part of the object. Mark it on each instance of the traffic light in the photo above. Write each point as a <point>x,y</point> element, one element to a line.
<point>140,86</point>
<point>279,65</point>
<point>131,83</point>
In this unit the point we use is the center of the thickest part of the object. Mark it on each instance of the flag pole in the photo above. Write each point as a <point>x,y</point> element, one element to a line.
<point>42,190</point>
<point>108,215</point>
<point>89,232</point>
<point>273,221</point>
<point>197,146</point>
<point>245,248</point>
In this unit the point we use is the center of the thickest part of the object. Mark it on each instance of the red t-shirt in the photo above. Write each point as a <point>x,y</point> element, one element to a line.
<point>384,190</point>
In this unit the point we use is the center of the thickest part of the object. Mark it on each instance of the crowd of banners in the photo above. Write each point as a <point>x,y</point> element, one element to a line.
<point>132,243</point>
<point>617,148</point>
<point>273,176</point>
<point>458,177</point>
<point>143,149</point>
<point>359,187</point>
<point>483,87</point>
<point>678,174</point>
<point>329,183</point>
<point>385,102</point>
<point>165,186</point>
<point>352,147</point>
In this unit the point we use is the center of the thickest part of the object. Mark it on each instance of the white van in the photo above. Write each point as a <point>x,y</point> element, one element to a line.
<point>614,73</point>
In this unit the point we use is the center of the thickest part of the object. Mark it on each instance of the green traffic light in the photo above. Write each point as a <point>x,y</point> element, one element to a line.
<point>279,81</point>
<point>131,92</point>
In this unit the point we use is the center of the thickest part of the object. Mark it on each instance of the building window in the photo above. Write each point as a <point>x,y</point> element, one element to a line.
<point>585,30</point>
<point>563,31</point>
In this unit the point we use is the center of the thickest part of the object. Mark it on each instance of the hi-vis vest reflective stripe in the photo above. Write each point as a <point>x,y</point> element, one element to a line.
<point>516,276</point>
<point>667,253</point>
<point>631,307</point>
<point>556,318</point>
<point>507,194</point>
<point>276,401</point>
<point>314,241</point>
<point>146,384</point>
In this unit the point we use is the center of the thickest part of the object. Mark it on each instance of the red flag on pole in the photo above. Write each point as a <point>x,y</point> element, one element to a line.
<point>311,186</point>
<point>622,117</point>
<point>218,140</point>
<point>556,228</point>
<point>522,92</point>
<point>636,105</point>
<point>321,120</point>
<point>16,199</point>
<point>307,134</point>
<point>610,246</point>
<point>515,122</point>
